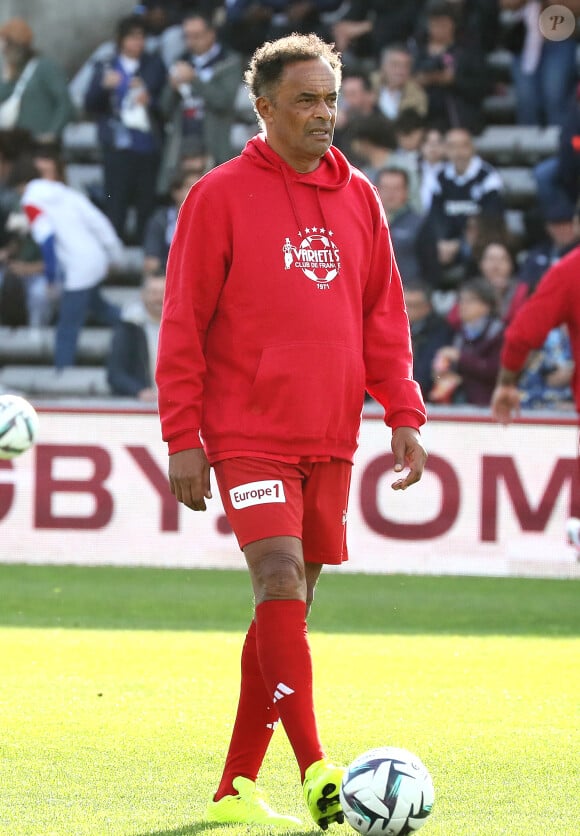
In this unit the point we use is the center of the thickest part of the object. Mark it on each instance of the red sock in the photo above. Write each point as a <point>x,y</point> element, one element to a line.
<point>255,722</point>
<point>286,665</point>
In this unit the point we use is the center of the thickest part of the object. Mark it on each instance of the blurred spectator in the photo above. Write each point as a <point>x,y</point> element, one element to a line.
<point>161,225</point>
<point>13,303</point>
<point>13,143</point>
<point>562,236</point>
<point>409,129</point>
<point>373,143</point>
<point>414,245</point>
<point>481,230</point>
<point>370,25</point>
<point>78,245</point>
<point>163,36</point>
<point>249,23</point>
<point>33,89</point>
<point>432,158</point>
<point>357,100</point>
<point>23,292</point>
<point>465,371</point>
<point>123,96</point>
<point>49,161</point>
<point>568,167</point>
<point>163,28</point>
<point>198,99</point>
<point>429,333</point>
<point>396,89</point>
<point>496,264</point>
<point>478,23</point>
<point>194,157</point>
<point>544,71</point>
<point>558,177</point>
<point>133,354</point>
<point>545,380</point>
<point>454,77</point>
<point>24,298</point>
<point>466,187</point>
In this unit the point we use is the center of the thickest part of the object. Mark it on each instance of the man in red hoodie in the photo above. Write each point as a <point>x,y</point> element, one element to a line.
<point>556,301</point>
<point>283,304</point>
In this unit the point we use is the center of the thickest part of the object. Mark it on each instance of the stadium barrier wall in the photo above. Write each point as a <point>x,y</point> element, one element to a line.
<point>493,500</point>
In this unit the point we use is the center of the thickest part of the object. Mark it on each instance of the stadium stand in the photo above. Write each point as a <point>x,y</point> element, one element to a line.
<point>26,356</point>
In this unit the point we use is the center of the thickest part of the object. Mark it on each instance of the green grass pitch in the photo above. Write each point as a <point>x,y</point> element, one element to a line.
<point>118,689</point>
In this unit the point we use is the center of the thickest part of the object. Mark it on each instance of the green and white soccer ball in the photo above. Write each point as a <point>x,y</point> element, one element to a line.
<point>18,426</point>
<point>387,791</point>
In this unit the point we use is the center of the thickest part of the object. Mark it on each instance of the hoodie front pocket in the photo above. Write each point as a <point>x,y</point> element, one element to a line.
<point>306,391</point>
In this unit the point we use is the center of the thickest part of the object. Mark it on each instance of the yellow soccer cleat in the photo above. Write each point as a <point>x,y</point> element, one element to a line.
<point>247,807</point>
<point>321,786</point>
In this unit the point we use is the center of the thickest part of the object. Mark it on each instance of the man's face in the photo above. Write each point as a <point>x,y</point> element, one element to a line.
<point>396,69</point>
<point>393,191</point>
<point>355,97</point>
<point>153,291</point>
<point>133,44</point>
<point>433,149</point>
<point>417,304</point>
<point>459,149</point>
<point>300,113</point>
<point>471,307</point>
<point>562,232</point>
<point>441,29</point>
<point>199,37</point>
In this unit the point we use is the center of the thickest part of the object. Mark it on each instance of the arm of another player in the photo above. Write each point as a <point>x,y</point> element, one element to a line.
<point>409,452</point>
<point>505,400</point>
<point>189,478</point>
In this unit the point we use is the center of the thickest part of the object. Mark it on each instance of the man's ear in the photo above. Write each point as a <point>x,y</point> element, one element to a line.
<point>264,108</point>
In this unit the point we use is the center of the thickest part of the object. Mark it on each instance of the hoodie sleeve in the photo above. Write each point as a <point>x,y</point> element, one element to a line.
<point>548,307</point>
<point>196,271</point>
<point>387,340</point>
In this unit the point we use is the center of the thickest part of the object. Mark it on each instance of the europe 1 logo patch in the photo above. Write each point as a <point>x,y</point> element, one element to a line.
<point>257,493</point>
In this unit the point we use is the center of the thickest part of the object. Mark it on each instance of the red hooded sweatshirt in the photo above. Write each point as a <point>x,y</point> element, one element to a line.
<point>555,301</point>
<point>283,303</point>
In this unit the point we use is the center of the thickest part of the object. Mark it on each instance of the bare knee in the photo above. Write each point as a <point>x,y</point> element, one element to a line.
<point>278,575</point>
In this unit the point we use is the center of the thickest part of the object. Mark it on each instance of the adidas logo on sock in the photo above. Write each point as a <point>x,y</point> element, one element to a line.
<point>282,691</point>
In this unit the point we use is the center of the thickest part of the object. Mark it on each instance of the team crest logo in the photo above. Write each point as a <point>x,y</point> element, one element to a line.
<point>317,256</point>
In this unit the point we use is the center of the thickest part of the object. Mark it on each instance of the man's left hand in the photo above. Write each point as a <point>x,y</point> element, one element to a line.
<point>409,452</point>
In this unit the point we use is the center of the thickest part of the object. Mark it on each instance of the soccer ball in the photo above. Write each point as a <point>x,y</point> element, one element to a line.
<point>387,791</point>
<point>18,426</point>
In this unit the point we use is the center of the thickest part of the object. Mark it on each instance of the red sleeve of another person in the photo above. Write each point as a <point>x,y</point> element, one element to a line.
<point>553,303</point>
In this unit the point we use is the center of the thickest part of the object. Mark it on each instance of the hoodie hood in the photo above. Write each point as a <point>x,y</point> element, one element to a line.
<point>334,171</point>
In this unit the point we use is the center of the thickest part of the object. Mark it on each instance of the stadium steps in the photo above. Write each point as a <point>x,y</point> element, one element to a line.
<point>77,381</point>
<point>500,106</point>
<point>80,142</point>
<point>84,176</point>
<point>122,295</point>
<point>130,269</point>
<point>519,186</point>
<point>20,346</point>
<point>517,145</point>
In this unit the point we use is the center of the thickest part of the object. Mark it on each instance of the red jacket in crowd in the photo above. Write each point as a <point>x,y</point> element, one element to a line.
<point>283,303</point>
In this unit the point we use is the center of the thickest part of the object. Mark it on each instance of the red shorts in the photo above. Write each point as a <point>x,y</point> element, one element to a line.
<point>266,498</point>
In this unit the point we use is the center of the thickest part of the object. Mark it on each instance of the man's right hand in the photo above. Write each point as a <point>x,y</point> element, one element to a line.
<point>189,478</point>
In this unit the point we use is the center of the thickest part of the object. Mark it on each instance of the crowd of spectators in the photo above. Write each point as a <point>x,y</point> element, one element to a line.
<point>166,94</point>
